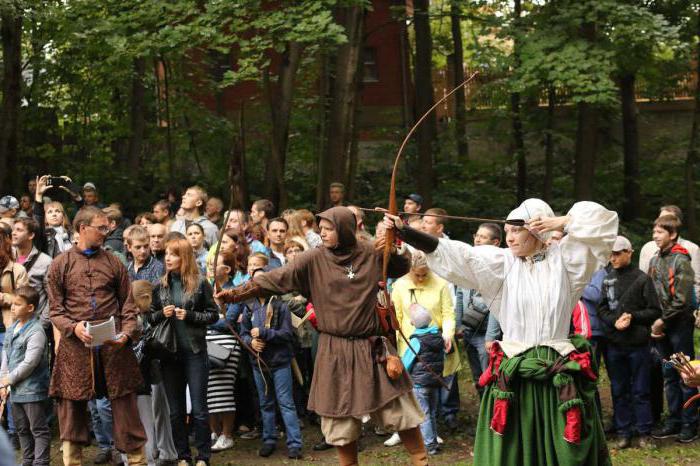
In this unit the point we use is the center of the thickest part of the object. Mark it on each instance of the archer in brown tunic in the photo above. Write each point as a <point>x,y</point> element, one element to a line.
<point>342,282</point>
<point>88,284</point>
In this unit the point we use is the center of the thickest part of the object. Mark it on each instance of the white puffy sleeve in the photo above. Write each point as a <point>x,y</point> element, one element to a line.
<point>591,233</point>
<point>481,268</point>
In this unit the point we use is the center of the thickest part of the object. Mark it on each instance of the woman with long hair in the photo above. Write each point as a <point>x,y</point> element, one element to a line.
<point>186,298</point>
<point>12,276</point>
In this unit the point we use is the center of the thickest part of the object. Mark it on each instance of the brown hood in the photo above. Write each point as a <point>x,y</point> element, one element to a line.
<point>345,224</point>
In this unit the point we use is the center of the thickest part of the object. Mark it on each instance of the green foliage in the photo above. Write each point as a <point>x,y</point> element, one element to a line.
<point>581,47</point>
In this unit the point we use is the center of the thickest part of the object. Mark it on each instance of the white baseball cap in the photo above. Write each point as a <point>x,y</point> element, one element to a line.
<point>622,244</point>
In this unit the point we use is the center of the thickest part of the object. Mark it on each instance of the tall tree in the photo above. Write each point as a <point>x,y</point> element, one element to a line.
<point>280,104</point>
<point>11,20</point>
<point>517,133</point>
<point>585,150</point>
<point>549,144</point>
<point>630,137</point>
<point>343,99</point>
<point>458,70</point>
<point>427,131</point>
<point>137,115</point>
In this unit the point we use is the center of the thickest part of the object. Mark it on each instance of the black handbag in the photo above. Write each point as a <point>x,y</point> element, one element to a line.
<point>160,340</point>
<point>218,355</point>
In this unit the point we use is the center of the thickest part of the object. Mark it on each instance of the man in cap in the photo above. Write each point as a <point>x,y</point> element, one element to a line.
<point>412,205</point>
<point>629,306</point>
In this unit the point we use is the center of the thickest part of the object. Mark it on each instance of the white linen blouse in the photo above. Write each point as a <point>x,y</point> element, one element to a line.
<point>533,298</point>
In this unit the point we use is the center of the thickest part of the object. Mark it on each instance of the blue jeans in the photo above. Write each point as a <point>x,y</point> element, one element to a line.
<point>678,338</point>
<point>628,368</point>
<point>477,355</point>
<point>428,399</point>
<point>449,399</point>
<point>188,369</point>
<point>101,415</point>
<point>279,386</point>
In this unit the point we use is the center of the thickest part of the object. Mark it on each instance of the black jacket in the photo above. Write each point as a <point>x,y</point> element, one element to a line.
<point>201,311</point>
<point>629,290</point>
<point>432,354</point>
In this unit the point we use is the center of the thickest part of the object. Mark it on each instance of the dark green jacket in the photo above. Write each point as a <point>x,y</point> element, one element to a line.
<point>673,279</point>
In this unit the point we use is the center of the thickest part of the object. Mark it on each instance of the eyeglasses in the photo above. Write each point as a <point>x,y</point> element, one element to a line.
<point>103,229</point>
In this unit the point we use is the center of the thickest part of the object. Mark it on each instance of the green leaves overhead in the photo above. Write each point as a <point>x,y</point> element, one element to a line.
<point>582,46</point>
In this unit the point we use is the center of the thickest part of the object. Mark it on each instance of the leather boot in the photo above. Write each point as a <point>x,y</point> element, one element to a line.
<point>72,454</point>
<point>137,457</point>
<point>347,454</point>
<point>413,443</point>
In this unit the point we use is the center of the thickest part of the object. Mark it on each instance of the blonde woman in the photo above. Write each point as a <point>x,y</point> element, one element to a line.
<point>422,286</point>
<point>55,232</point>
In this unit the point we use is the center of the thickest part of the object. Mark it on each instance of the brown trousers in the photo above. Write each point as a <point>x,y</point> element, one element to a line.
<point>128,434</point>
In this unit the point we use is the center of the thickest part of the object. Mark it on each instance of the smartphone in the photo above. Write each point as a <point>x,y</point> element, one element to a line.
<point>56,181</point>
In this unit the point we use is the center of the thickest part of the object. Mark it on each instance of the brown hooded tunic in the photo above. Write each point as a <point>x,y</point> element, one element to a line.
<point>346,381</point>
<point>73,279</point>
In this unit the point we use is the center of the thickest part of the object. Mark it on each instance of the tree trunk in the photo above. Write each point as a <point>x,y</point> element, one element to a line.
<point>280,103</point>
<point>586,137</point>
<point>586,150</point>
<point>549,145</point>
<point>518,137</point>
<point>691,160</point>
<point>322,167</point>
<point>427,131</point>
<point>630,136</point>
<point>168,119</point>
<point>343,100</point>
<point>137,116</point>
<point>460,99</point>
<point>238,195</point>
<point>11,34</point>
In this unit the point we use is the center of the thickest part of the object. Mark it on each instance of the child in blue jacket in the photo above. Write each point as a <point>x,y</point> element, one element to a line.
<point>428,344</point>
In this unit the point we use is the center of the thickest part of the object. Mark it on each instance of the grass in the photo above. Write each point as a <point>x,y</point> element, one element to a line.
<point>457,450</point>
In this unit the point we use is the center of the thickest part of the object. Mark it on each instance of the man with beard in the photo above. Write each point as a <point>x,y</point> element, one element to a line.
<point>88,284</point>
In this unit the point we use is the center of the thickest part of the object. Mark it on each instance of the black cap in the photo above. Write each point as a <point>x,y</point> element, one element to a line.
<point>417,198</point>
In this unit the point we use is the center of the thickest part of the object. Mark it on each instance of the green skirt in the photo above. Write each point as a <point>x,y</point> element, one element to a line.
<point>539,409</point>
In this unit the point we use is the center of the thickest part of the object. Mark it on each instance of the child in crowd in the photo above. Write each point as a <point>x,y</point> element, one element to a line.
<point>257,261</point>
<point>152,401</point>
<point>267,328</point>
<point>428,344</point>
<point>25,371</point>
<point>672,273</point>
<point>143,266</point>
<point>195,236</point>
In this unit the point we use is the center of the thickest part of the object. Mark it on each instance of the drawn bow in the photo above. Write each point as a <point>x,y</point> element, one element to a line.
<point>390,236</point>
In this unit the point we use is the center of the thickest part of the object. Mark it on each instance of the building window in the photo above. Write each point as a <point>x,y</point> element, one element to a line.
<point>369,64</point>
